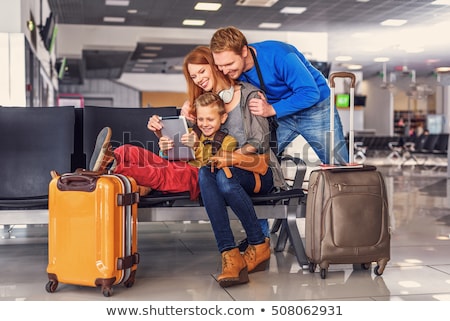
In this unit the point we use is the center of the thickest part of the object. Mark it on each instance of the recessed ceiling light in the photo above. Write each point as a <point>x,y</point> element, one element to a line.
<point>114,19</point>
<point>121,3</point>
<point>441,2</point>
<point>269,25</point>
<point>148,54</point>
<point>193,22</point>
<point>293,10</point>
<point>145,60</point>
<point>343,58</point>
<point>443,69</point>
<point>156,48</point>
<point>132,11</point>
<point>256,3</point>
<point>393,22</point>
<point>354,67</point>
<point>208,6</point>
<point>381,59</point>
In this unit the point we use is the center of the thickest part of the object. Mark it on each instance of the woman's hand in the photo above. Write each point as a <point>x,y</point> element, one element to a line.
<point>155,124</point>
<point>165,143</point>
<point>186,112</point>
<point>190,139</point>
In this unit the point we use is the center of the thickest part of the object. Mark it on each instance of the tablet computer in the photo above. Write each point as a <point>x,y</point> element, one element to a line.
<point>174,128</point>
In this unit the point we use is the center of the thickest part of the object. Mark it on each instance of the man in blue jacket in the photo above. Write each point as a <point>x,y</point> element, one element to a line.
<point>298,95</point>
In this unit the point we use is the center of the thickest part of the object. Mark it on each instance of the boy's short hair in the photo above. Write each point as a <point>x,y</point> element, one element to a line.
<point>228,38</point>
<point>208,99</point>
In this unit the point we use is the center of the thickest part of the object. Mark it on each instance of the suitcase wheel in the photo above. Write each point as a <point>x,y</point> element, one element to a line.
<point>130,282</point>
<point>323,273</point>
<point>51,286</point>
<point>378,270</point>
<point>107,291</point>
<point>312,267</point>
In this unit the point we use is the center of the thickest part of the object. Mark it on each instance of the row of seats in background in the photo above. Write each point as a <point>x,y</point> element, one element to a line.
<point>401,149</point>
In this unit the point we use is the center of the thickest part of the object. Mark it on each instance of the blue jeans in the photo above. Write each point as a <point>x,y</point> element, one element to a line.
<point>314,125</point>
<point>218,191</point>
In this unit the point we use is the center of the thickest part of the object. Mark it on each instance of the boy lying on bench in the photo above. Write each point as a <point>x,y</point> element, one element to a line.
<point>155,172</point>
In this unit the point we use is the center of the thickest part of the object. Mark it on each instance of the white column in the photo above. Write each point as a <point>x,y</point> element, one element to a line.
<point>443,105</point>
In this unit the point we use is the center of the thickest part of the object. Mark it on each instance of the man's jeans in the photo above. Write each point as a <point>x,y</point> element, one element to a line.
<point>218,191</point>
<point>314,125</point>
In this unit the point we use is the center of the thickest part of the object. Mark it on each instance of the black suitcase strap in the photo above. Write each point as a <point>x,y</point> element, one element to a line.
<point>127,262</point>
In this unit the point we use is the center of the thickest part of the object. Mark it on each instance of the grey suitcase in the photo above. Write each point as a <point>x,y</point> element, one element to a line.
<point>347,217</point>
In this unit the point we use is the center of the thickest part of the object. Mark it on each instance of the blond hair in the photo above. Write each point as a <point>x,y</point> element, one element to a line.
<point>210,99</point>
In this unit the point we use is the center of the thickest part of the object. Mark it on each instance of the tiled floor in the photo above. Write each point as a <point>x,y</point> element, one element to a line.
<point>179,261</point>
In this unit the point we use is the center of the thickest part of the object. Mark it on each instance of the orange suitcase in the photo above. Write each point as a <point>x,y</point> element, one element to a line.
<point>92,238</point>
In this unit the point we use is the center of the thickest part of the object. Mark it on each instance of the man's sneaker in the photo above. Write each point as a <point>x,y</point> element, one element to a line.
<point>103,154</point>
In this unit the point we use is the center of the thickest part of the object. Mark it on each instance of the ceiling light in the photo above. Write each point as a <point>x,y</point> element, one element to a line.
<point>145,60</point>
<point>269,25</point>
<point>393,22</point>
<point>441,2</point>
<point>193,22</point>
<point>207,6</point>
<point>293,10</point>
<point>149,54</point>
<point>121,3</point>
<point>354,67</point>
<point>132,11</point>
<point>114,19</point>
<point>381,59</point>
<point>362,0</point>
<point>443,69</point>
<point>343,58</point>
<point>256,3</point>
<point>141,65</point>
<point>156,48</point>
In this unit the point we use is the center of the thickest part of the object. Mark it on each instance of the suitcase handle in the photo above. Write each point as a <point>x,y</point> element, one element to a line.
<point>77,182</point>
<point>342,74</point>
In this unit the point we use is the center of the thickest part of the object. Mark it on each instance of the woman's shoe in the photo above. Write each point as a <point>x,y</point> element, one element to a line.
<point>234,269</point>
<point>257,256</point>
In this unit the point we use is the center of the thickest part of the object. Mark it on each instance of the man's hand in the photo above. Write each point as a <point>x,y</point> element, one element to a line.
<point>260,106</point>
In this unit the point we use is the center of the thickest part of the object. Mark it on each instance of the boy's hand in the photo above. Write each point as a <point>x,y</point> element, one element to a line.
<point>190,139</point>
<point>165,143</point>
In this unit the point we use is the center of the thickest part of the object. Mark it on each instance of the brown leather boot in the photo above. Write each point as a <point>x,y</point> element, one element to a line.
<point>234,269</point>
<point>257,256</point>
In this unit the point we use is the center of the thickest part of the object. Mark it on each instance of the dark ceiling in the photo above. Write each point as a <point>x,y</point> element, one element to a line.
<point>339,18</point>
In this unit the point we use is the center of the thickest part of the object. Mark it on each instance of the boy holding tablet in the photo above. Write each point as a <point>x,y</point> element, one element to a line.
<point>156,172</point>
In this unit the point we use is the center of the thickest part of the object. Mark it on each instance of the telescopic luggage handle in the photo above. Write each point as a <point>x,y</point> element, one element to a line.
<point>342,74</point>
